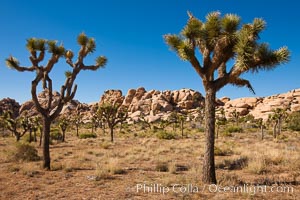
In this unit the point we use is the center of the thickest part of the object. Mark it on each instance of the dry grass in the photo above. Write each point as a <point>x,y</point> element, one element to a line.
<point>97,169</point>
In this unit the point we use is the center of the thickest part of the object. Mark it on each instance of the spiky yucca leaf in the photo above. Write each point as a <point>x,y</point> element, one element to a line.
<point>91,45</point>
<point>193,29</point>
<point>268,59</point>
<point>40,44</point>
<point>230,23</point>
<point>55,49</point>
<point>213,27</point>
<point>174,41</point>
<point>12,62</point>
<point>258,25</point>
<point>101,61</point>
<point>82,39</point>
<point>68,74</point>
<point>31,44</point>
<point>185,51</point>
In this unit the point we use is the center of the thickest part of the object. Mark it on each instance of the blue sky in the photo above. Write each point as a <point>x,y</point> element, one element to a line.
<point>129,33</point>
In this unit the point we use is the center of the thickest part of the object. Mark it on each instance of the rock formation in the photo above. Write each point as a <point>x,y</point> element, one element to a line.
<point>7,104</point>
<point>156,105</point>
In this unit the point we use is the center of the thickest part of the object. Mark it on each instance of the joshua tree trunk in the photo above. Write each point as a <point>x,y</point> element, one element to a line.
<point>111,133</point>
<point>63,135</point>
<point>262,132</point>
<point>18,138</point>
<point>181,127</point>
<point>41,135</point>
<point>208,172</point>
<point>77,130</point>
<point>46,142</point>
<point>34,136</point>
<point>30,136</point>
<point>275,129</point>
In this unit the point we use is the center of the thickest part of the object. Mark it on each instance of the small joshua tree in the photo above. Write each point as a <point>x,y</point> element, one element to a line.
<point>63,125</point>
<point>112,114</point>
<point>182,119</point>
<point>77,119</point>
<point>14,124</point>
<point>37,49</point>
<point>277,118</point>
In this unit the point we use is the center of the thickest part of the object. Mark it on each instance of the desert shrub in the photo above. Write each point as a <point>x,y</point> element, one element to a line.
<point>234,129</point>
<point>233,164</point>
<point>55,134</point>
<point>258,165</point>
<point>201,129</point>
<point>294,121</point>
<point>26,152</point>
<point>222,152</point>
<point>162,167</point>
<point>87,135</point>
<point>165,135</point>
<point>105,145</point>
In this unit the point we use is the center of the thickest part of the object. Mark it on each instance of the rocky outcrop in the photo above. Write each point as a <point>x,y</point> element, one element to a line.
<point>156,105</point>
<point>67,110</point>
<point>8,104</point>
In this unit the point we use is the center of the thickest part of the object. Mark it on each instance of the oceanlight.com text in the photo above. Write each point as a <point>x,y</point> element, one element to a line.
<point>213,188</point>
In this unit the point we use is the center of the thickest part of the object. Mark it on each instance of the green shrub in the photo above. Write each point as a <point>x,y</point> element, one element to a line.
<point>234,129</point>
<point>294,121</point>
<point>26,152</point>
<point>55,134</point>
<point>165,135</point>
<point>87,135</point>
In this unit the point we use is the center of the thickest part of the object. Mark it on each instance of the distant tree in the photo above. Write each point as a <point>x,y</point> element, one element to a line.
<point>235,116</point>
<point>260,123</point>
<point>200,115</point>
<point>36,126</point>
<point>63,124</point>
<point>277,118</point>
<point>173,119</point>
<point>77,119</point>
<point>221,40</point>
<point>144,121</point>
<point>182,118</point>
<point>37,49</point>
<point>15,124</point>
<point>112,114</point>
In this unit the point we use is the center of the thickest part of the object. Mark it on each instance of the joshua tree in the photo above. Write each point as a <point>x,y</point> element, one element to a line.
<point>277,117</point>
<point>220,40</point>
<point>35,126</point>
<point>144,121</point>
<point>235,116</point>
<point>200,115</point>
<point>173,119</point>
<point>77,119</point>
<point>112,114</point>
<point>63,125</point>
<point>260,123</point>
<point>15,124</point>
<point>37,49</point>
<point>182,119</point>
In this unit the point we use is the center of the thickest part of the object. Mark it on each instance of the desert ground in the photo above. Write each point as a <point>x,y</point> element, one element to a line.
<point>139,165</point>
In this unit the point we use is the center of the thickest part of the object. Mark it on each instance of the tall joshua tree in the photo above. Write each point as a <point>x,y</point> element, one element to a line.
<point>219,40</point>
<point>37,49</point>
